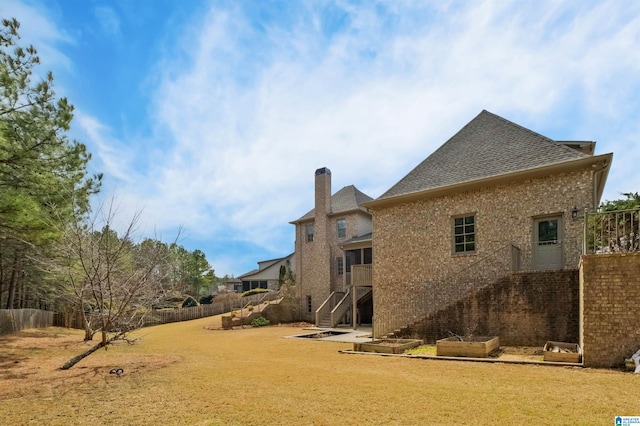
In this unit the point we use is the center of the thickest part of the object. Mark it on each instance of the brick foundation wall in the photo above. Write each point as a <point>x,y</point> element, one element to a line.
<point>523,309</point>
<point>610,293</point>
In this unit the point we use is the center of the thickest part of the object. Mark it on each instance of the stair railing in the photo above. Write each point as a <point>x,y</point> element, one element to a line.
<point>341,308</point>
<point>327,306</point>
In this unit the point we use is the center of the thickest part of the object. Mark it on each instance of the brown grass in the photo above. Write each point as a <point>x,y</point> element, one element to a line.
<point>185,373</point>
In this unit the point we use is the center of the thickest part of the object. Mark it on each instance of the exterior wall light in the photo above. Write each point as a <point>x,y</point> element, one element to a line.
<point>574,212</point>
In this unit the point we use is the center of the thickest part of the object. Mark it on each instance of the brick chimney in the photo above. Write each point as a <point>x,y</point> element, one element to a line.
<point>323,192</point>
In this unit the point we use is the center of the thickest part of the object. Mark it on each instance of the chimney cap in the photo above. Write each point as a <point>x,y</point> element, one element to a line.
<point>322,171</point>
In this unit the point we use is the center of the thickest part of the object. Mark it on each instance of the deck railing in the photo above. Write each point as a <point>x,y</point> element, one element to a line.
<point>361,275</point>
<point>612,232</point>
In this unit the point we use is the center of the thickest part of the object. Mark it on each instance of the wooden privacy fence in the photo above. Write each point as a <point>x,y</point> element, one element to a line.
<point>186,314</point>
<point>13,320</point>
<point>216,308</point>
<point>155,317</point>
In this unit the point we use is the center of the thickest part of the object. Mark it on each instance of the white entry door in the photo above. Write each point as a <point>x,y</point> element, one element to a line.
<point>547,244</point>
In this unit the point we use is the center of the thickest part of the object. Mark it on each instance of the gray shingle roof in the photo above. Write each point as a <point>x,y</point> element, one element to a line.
<point>347,199</point>
<point>264,265</point>
<point>487,146</point>
<point>365,237</point>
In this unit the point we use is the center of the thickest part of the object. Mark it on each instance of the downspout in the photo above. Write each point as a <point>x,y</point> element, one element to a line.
<point>373,262</point>
<point>596,177</point>
<point>585,230</point>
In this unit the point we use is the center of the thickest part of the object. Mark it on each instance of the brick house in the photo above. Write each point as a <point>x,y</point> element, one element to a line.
<point>495,198</point>
<point>321,264</point>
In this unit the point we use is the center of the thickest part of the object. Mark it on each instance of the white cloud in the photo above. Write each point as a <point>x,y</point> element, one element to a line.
<point>37,29</point>
<point>111,153</point>
<point>250,131</point>
<point>243,114</point>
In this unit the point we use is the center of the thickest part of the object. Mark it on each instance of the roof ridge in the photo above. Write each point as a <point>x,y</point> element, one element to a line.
<point>487,145</point>
<point>546,138</point>
<point>518,126</point>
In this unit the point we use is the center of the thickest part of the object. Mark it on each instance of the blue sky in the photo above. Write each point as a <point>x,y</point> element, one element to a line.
<point>214,115</point>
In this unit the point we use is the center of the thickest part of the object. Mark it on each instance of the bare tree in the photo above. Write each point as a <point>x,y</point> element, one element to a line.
<point>112,281</point>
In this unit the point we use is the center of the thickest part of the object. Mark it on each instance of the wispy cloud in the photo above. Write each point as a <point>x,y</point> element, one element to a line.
<point>254,96</point>
<point>37,29</point>
<point>369,99</point>
<point>109,21</point>
<point>110,152</point>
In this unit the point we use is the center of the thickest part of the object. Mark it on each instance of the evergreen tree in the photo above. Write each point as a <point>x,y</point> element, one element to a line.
<point>40,169</point>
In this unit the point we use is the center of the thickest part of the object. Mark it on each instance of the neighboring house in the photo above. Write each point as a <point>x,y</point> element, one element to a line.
<point>230,285</point>
<point>267,275</point>
<point>321,264</point>
<point>494,198</point>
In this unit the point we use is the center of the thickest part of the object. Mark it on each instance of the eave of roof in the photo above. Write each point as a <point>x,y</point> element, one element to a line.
<point>604,160</point>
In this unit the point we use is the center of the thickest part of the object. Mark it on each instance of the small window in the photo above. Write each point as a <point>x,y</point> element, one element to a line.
<point>309,305</point>
<point>547,232</point>
<point>342,228</point>
<point>340,265</point>
<point>309,230</point>
<point>368,256</point>
<point>464,234</point>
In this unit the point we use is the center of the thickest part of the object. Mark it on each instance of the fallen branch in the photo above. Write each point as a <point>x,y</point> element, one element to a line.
<point>76,359</point>
<point>103,344</point>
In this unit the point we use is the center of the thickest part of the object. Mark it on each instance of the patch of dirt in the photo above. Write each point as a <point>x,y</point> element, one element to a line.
<point>517,353</point>
<point>30,362</point>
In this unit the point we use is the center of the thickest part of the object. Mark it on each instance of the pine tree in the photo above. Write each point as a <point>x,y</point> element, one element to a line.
<point>40,169</point>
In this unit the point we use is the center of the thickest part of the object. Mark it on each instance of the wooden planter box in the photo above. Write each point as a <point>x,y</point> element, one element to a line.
<point>475,347</point>
<point>629,365</point>
<point>387,346</point>
<point>562,352</point>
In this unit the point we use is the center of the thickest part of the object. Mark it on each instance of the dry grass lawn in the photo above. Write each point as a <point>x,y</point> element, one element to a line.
<point>187,373</point>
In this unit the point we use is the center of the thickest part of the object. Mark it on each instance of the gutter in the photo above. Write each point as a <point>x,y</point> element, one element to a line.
<point>604,159</point>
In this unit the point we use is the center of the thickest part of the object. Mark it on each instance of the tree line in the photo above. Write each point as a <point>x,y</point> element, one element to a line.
<point>56,250</point>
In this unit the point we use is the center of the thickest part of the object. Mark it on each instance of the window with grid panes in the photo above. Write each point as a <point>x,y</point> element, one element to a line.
<point>342,228</point>
<point>464,234</point>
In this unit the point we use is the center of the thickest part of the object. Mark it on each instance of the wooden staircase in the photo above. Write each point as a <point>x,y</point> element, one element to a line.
<point>325,321</point>
<point>336,307</point>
